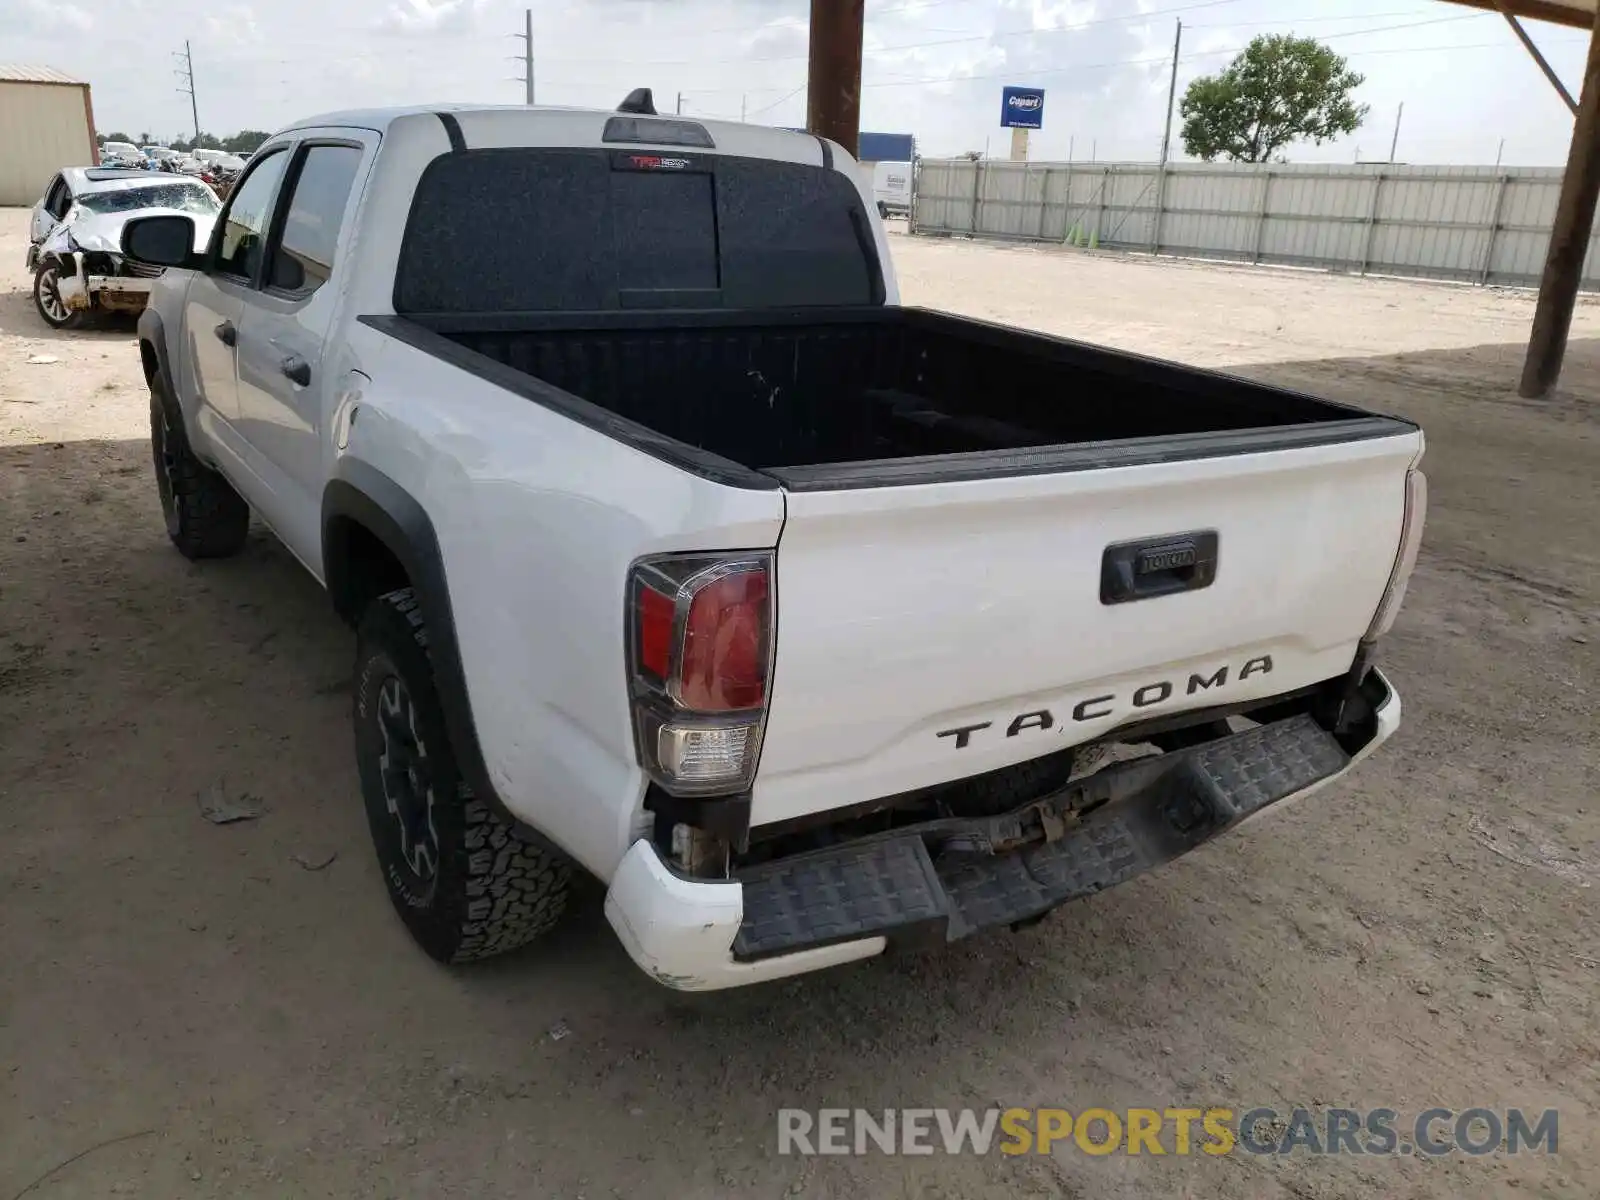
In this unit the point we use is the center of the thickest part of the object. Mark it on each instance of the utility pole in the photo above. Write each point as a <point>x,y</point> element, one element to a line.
<point>1498,154</point>
<point>187,75</point>
<point>744,104</point>
<point>1569,239</point>
<point>527,55</point>
<point>1394,144</point>
<point>1172,93</point>
<point>833,72</point>
<point>680,103</point>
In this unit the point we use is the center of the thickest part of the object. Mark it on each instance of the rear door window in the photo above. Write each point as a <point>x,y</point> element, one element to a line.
<point>556,230</point>
<point>302,258</point>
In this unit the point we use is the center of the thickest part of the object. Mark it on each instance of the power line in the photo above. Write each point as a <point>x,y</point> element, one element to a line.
<point>1130,62</point>
<point>1366,16</point>
<point>914,6</point>
<point>956,41</point>
<point>993,37</point>
<point>778,101</point>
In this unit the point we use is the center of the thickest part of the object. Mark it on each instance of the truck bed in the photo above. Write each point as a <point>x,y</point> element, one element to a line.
<point>801,397</point>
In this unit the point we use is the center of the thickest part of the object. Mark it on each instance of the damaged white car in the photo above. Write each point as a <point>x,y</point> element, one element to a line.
<point>75,240</point>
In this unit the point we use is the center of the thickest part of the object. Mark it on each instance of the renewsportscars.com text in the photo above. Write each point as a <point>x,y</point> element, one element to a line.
<point>1176,1131</point>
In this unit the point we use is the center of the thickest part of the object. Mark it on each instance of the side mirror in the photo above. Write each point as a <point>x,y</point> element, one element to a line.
<point>160,241</point>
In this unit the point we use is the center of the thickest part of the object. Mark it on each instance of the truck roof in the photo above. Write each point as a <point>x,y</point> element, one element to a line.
<point>751,139</point>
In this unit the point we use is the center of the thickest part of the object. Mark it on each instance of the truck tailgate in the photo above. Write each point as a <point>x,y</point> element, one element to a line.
<point>935,631</point>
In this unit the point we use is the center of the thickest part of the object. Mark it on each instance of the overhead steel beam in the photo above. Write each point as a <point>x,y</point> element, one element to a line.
<point>1538,57</point>
<point>833,89</point>
<point>1569,239</point>
<point>1537,10</point>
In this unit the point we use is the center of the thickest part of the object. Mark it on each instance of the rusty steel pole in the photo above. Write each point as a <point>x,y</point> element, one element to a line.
<point>1569,239</point>
<point>833,80</point>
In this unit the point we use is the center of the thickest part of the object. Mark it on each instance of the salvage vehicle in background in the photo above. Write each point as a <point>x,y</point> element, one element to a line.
<point>675,546</point>
<point>121,154</point>
<point>75,238</point>
<point>891,188</point>
<point>222,172</point>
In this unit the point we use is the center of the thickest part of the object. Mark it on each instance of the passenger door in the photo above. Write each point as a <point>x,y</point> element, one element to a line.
<point>215,305</point>
<point>286,380</point>
<point>48,212</point>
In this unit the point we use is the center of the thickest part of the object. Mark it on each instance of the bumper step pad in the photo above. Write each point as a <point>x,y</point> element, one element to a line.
<point>903,887</point>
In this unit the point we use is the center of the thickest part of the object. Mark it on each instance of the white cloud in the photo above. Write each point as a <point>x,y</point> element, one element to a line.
<point>782,39</point>
<point>933,69</point>
<point>232,25</point>
<point>42,18</point>
<point>431,16</point>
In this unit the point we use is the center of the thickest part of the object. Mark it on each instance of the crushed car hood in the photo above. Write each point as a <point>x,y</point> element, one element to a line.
<point>103,231</point>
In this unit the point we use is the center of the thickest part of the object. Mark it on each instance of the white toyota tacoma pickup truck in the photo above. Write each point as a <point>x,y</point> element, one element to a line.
<point>676,548</point>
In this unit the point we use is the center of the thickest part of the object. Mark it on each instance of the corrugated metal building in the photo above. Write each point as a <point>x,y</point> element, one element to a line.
<point>46,123</point>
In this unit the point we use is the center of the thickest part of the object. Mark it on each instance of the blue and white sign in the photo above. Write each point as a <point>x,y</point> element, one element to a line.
<point>1021,108</point>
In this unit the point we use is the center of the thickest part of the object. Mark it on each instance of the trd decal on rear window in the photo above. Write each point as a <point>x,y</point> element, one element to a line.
<point>656,162</point>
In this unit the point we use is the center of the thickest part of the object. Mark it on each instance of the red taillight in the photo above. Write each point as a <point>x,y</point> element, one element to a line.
<point>702,638</point>
<point>655,613</point>
<point>724,667</point>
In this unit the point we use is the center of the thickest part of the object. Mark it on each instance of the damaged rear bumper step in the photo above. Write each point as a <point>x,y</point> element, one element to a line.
<point>943,880</point>
<point>913,889</point>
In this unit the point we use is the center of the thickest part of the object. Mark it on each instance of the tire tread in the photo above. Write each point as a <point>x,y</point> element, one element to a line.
<point>510,890</point>
<point>213,519</point>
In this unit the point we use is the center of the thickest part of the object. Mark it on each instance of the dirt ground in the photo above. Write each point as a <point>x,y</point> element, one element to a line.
<point>189,1009</point>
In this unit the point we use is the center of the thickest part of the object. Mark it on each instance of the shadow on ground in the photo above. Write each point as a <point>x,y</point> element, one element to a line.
<point>272,1028</point>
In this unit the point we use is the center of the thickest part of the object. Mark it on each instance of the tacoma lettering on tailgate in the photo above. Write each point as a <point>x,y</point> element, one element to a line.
<point>1095,707</point>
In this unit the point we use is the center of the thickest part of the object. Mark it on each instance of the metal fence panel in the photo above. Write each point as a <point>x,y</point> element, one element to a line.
<point>1477,224</point>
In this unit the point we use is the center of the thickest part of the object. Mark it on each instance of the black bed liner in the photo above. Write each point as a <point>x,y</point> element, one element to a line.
<point>873,396</point>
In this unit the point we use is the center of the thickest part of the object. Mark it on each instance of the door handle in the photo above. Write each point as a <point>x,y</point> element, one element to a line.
<point>1158,566</point>
<point>227,334</point>
<point>298,370</point>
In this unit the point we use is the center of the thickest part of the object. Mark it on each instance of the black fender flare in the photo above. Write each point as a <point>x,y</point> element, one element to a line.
<point>360,494</point>
<point>153,330</point>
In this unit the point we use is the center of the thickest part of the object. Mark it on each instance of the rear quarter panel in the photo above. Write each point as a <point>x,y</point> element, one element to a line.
<point>538,519</point>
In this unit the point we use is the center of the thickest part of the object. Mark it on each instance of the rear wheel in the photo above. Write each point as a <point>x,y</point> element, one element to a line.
<point>47,299</point>
<point>466,884</point>
<point>205,517</point>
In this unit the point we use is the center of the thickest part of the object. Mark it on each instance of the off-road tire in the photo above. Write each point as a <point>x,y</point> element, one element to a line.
<point>491,889</point>
<point>205,517</point>
<point>44,286</point>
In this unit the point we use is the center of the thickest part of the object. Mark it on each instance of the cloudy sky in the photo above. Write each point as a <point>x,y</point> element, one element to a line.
<point>933,67</point>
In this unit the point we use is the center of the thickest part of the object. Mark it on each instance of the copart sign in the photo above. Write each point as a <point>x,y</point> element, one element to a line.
<point>1021,108</point>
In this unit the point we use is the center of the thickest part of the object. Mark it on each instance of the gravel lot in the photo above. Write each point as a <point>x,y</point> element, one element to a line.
<point>247,1025</point>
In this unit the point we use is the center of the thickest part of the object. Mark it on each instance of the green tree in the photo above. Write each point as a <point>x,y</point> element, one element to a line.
<point>205,141</point>
<point>245,141</point>
<point>1280,89</point>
